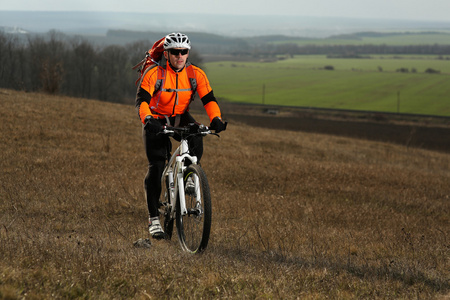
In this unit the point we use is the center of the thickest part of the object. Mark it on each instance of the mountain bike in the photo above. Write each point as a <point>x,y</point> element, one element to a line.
<point>185,197</point>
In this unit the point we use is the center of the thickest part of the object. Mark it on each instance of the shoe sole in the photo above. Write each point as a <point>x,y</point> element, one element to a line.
<point>158,236</point>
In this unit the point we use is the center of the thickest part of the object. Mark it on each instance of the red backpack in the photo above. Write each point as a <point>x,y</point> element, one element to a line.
<point>151,58</point>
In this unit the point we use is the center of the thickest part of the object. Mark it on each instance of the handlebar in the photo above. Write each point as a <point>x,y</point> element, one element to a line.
<point>190,130</point>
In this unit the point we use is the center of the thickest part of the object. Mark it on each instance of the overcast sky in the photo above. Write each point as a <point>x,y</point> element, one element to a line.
<point>432,10</point>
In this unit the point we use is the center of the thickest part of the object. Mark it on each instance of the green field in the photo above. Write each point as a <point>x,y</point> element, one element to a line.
<point>359,84</point>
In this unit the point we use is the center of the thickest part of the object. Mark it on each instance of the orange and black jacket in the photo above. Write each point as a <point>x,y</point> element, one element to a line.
<point>174,95</point>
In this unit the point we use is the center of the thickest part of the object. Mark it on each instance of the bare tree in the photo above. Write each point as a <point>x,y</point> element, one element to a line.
<point>10,61</point>
<point>82,61</point>
<point>111,65</point>
<point>47,63</point>
<point>51,76</point>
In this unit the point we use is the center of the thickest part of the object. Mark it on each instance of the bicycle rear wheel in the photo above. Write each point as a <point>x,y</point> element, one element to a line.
<point>194,227</point>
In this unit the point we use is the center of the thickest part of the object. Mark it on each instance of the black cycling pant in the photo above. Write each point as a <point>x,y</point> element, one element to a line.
<point>158,148</point>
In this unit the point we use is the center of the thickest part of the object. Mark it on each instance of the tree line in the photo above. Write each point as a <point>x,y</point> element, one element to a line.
<point>347,50</point>
<point>72,67</point>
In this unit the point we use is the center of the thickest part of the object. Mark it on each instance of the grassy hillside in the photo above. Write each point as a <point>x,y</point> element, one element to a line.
<point>360,84</point>
<point>295,215</point>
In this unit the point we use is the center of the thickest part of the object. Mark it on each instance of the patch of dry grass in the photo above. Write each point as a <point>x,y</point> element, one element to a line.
<point>295,215</point>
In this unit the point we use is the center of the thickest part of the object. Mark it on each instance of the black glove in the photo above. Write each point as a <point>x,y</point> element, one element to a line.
<point>218,125</point>
<point>152,125</point>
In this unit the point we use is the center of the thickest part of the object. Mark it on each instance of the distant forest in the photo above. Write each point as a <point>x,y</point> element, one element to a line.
<point>76,66</point>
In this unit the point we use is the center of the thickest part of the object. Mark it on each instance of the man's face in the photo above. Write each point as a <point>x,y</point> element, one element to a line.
<point>177,57</point>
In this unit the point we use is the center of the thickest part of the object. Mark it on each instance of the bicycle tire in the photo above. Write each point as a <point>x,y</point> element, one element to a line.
<point>168,226</point>
<point>166,212</point>
<point>194,228</point>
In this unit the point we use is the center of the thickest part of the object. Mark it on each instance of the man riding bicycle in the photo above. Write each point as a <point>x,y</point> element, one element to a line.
<point>169,104</point>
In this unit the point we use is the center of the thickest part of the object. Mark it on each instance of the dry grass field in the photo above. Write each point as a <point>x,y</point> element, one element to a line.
<point>296,215</point>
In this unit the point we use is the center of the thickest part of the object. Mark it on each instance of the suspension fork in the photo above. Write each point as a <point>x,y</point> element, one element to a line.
<point>180,167</point>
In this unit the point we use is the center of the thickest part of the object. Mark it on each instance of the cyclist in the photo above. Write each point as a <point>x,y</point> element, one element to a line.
<point>170,104</point>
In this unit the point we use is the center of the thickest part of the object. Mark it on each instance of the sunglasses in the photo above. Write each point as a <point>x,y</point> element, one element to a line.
<point>178,51</point>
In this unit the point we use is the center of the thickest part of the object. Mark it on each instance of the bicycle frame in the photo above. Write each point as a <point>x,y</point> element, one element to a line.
<point>176,167</point>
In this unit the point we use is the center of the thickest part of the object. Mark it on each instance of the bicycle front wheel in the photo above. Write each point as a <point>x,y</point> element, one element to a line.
<point>194,227</point>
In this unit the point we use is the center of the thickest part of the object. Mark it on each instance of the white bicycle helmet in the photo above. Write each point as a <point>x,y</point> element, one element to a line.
<point>177,40</point>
